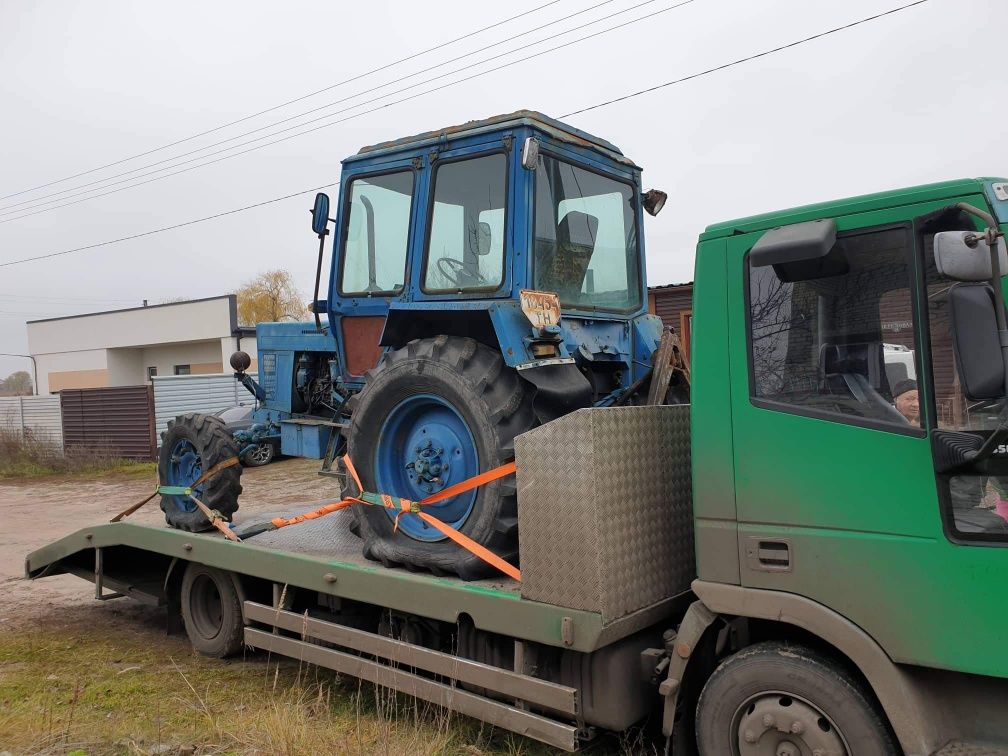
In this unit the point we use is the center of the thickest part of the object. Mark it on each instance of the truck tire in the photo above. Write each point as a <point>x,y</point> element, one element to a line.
<point>783,698</point>
<point>191,444</point>
<point>434,413</point>
<point>211,611</point>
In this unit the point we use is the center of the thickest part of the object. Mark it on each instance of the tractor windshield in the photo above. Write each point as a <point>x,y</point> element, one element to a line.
<point>585,246</point>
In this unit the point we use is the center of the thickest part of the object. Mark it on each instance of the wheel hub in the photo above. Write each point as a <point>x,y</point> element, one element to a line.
<point>184,468</point>
<point>424,447</point>
<point>429,466</point>
<point>777,724</point>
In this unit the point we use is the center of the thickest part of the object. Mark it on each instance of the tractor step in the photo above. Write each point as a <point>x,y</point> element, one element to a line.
<point>335,442</point>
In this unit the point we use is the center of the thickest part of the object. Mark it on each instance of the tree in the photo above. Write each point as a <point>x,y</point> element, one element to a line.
<point>18,384</point>
<point>269,297</point>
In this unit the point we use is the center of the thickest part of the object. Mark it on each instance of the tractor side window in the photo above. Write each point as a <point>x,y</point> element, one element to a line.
<point>585,246</point>
<point>465,245</point>
<point>377,237</point>
<point>840,345</point>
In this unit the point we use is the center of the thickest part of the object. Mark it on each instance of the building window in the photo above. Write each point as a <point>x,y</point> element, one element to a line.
<point>182,370</point>
<point>151,372</point>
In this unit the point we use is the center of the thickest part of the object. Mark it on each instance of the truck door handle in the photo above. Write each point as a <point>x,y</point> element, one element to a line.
<point>769,555</point>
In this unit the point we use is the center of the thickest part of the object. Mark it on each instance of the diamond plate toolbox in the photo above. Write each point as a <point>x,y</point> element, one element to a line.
<point>605,521</point>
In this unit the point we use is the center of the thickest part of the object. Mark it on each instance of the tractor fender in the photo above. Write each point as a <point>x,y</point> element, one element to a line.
<point>559,385</point>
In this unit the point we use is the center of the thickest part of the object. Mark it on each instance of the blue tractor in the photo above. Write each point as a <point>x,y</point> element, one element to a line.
<point>485,278</point>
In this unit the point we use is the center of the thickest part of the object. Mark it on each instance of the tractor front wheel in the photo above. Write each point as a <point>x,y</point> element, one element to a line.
<point>192,444</point>
<point>432,414</point>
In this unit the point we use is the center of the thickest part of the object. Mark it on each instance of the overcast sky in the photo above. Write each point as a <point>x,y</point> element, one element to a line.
<point>914,97</point>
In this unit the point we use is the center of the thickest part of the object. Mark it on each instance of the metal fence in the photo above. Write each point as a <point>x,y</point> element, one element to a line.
<point>38,414</point>
<point>177,394</point>
<point>120,418</point>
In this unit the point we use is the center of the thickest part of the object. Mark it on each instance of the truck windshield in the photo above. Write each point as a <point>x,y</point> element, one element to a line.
<point>585,246</point>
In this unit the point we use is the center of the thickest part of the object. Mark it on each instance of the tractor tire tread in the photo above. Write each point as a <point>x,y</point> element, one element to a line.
<point>507,402</point>
<point>215,444</point>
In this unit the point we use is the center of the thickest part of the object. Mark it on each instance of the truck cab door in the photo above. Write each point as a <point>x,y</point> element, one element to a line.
<point>838,498</point>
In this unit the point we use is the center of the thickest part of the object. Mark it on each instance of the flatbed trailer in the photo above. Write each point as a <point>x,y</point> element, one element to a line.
<point>309,584</point>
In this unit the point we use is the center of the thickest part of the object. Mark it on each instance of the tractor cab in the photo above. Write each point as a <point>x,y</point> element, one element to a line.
<point>442,233</point>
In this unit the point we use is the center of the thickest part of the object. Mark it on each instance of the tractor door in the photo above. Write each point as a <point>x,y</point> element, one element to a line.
<point>466,249</point>
<point>833,398</point>
<point>370,269</point>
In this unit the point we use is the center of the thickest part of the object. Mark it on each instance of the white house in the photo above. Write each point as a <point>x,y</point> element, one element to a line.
<point>127,347</point>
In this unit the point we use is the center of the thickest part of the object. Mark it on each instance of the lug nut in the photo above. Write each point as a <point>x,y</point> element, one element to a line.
<point>750,736</point>
<point>797,728</point>
<point>768,720</point>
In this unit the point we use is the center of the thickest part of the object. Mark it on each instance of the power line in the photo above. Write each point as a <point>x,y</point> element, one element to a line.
<point>37,209</point>
<point>288,102</point>
<point>575,112</point>
<point>62,300</point>
<point>165,228</point>
<point>745,59</point>
<point>9,209</point>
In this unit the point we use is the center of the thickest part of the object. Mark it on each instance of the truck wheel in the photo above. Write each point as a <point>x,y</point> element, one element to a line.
<point>261,455</point>
<point>432,414</point>
<point>211,611</point>
<point>782,699</point>
<point>191,444</point>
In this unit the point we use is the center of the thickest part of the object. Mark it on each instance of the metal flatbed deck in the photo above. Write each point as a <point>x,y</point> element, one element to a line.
<point>324,556</point>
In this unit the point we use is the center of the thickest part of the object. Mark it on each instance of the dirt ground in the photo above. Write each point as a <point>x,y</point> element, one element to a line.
<point>42,510</point>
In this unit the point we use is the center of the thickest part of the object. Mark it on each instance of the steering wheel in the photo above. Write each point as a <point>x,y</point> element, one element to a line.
<point>453,270</point>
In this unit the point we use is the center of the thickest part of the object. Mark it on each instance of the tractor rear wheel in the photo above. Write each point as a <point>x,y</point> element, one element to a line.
<point>192,444</point>
<point>432,414</point>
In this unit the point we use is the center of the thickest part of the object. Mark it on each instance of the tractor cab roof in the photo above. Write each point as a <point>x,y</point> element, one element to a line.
<point>846,206</point>
<point>529,118</point>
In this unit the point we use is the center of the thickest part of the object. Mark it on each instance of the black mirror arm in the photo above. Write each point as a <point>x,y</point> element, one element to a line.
<point>318,278</point>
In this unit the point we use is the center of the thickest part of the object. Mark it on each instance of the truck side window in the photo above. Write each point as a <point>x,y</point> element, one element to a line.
<point>465,245</point>
<point>843,345</point>
<point>377,237</point>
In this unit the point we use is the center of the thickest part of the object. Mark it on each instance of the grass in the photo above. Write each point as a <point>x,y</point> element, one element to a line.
<point>117,689</point>
<point>35,455</point>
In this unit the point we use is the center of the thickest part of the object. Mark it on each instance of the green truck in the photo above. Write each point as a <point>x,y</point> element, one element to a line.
<point>806,559</point>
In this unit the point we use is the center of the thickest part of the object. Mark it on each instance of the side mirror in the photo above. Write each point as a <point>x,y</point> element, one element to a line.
<point>975,339</point>
<point>320,214</point>
<point>801,251</point>
<point>530,154</point>
<point>955,258</point>
<point>483,236</point>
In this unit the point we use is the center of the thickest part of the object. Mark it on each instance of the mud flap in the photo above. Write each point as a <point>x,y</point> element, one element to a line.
<point>560,388</point>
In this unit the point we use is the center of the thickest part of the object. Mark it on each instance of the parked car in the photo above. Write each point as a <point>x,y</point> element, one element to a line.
<point>239,418</point>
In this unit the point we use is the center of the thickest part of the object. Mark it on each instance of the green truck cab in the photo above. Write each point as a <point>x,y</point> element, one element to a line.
<point>809,559</point>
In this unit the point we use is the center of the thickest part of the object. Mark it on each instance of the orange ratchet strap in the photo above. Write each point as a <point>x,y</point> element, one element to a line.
<point>407,506</point>
<point>188,489</point>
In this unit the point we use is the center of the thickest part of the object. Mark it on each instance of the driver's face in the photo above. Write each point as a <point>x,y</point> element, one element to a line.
<point>906,404</point>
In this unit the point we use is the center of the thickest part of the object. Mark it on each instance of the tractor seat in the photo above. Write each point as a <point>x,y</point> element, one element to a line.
<point>857,369</point>
<point>564,270</point>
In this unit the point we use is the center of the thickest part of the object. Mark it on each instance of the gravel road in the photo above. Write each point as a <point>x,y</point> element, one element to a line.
<point>40,511</point>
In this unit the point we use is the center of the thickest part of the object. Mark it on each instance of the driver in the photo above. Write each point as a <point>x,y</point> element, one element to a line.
<point>905,399</point>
